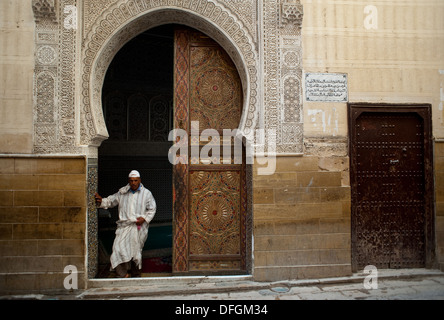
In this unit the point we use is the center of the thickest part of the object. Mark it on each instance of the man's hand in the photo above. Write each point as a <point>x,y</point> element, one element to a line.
<point>98,199</point>
<point>140,221</point>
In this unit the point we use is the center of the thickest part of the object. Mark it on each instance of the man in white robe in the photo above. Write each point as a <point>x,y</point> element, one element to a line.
<point>137,208</point>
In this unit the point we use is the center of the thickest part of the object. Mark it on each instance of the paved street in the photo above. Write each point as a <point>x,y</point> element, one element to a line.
<point>394,284</point>
<point>427,288</point>
<point>400,284</point>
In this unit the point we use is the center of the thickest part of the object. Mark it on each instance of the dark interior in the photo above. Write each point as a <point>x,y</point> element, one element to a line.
<point>137,101</point>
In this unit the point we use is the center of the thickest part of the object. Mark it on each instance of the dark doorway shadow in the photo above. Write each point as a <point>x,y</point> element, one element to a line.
<point>137,100</point>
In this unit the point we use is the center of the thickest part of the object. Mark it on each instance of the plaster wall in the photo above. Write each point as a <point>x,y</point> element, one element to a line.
<point>392,52</point>
<point>16,74</point>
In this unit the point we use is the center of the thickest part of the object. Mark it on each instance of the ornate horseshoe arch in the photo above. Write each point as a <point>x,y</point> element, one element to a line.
<point>122,22</point>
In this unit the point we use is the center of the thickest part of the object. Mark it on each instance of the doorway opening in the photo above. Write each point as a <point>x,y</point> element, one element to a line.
<point>162,75</point>
<point>137,100</point>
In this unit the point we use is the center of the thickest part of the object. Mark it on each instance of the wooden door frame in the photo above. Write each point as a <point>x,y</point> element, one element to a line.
<point>425,112</point>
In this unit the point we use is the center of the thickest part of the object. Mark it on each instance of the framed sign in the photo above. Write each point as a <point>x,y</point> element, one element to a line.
<point>326,87</point>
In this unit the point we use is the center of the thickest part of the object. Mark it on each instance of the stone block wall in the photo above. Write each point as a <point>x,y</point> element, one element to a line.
<point>302,219</point>
<point>439,199</point>
<point>42,222</point>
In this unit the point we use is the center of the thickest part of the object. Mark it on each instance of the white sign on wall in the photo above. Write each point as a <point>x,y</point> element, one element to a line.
<point>326,87</point>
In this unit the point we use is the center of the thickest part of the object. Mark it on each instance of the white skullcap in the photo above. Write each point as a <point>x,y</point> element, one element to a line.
<point>134,174</point>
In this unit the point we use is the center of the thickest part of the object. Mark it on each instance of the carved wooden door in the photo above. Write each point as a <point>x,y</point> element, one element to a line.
<point>390,164</point>
<point>209,199</point>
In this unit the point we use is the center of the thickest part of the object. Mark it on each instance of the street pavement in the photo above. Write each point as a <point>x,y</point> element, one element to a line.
<point>241,297</point>
<point>428,288</point>
<point>407,287</point>
<point>394,284</point>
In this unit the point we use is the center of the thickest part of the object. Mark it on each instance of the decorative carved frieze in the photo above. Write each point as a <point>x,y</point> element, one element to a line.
<point>44,10</point>
<point>291,13</point>
<point>120,21</point>
<point>54,80</point>
<point>282,76</point>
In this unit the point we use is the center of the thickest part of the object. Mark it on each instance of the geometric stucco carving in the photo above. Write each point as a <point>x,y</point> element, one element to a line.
<point>291,13</point>
<point>54,79</point>
<point>283,70</point>
<point>267,54</point>
<point>44,10</point>
<point>122,20</point>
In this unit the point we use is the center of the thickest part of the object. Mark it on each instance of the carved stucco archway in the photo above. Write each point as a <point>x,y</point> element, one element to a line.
<point>120,23</point>
<point>112,30</point>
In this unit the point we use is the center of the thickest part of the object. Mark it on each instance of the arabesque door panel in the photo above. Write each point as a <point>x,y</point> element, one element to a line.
<point>209,199</point>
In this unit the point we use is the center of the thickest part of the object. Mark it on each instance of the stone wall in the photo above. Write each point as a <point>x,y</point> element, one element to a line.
<point>42,222</point>
<point>302,219</point>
